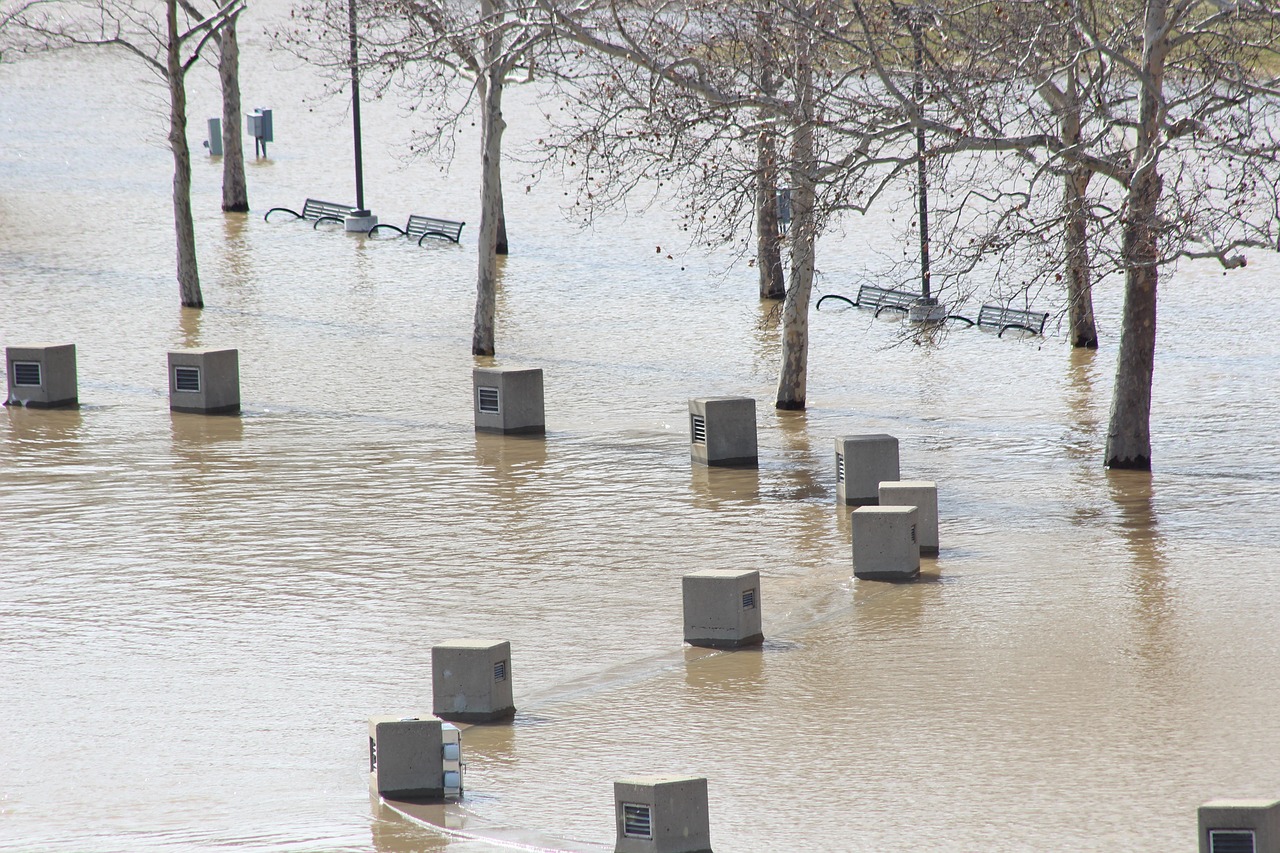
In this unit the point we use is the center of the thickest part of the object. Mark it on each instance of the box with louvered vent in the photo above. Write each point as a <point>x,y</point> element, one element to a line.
<point>662,814</point>
<point>923,495</point>
<point>722,608</point>
<point>508,400</point>
<point>471,681</point>
<point>885,542</point>
<point>42,376</point>
<point>204,381</point>
<point>722,431</point>
<point>1240,826</point>
<point>407,757</point>
<point>863,462</point>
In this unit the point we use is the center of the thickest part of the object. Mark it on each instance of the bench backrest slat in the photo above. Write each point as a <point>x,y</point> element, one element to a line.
<point>998,315</point>
<point>314,208</point>
<point>419,225</point>
<point>870,296</point>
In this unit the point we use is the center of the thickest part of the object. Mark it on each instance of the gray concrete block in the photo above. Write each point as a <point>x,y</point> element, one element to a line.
<point>406,758</point>
<point>204,381</point>
<point>863,462</point>
<point>1228,825</point>
<point>885,545</point>
<point>662,814</point>
<point>923,495</point>
<point>722,608</point>
<point>42,376</point>
<point>722,431</point>
<point>471,681</point>
<point>508,400</point>
<point>359,224</point>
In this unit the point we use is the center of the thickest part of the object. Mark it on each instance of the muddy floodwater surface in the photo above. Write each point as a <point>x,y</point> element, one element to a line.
<point>198,614</point>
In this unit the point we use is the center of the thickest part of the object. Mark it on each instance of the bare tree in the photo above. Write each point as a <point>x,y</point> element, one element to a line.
<point>235,193</point>
<point>697,96</point>
<point>168,39</point>
<point>435,52</point>
<point>235,190</point>
<point>1175,105</point>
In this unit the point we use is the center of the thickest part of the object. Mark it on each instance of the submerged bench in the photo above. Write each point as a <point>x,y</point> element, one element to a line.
<point>425,226</point>
<point>314,208</point>
<point>877,298</point>
<point>1004,319</point>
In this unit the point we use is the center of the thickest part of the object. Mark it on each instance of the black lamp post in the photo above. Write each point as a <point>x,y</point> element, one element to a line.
<point>355,110</point>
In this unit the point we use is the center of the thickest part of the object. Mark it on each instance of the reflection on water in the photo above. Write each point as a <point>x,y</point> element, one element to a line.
<point>189,321</point>
<point>510,457</point>
<point>1083,415</point>
<point>43,431</point>
<point>393,832</point>
<point>1154,597</point>
<point>730,674</point>
<point>194,434</point>
<point>713,487</point>
<point>197,614</point>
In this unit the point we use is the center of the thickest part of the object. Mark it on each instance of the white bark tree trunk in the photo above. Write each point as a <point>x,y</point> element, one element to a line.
<point>1129,431</point>
<point>184,226</point>
<point>768,242</point>
<point>235,193</point>
<point>794,377</point>
<point>493,125</point>
<point>1084,329</point>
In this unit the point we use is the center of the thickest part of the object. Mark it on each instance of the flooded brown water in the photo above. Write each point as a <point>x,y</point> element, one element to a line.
<point>198,614</point>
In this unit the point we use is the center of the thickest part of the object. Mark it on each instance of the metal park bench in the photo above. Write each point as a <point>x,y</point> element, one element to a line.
<point>877,299</point>
<point>319,211</point>
<point>425,226</point>
<point>1002,318</point>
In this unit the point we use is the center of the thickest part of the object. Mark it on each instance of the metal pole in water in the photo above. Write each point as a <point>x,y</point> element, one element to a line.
<point>355,107</point>
<point>917,39</point>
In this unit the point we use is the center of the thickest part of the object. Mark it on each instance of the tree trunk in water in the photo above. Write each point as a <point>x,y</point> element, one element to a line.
<point>1084,331</point>
<point>768,243</point>
<point>1129,431</point>
<point>773,284</point>
<point>235,193</point>
<point>501,246</point>
<point>184,226</point>
<point>794,378</point>
<point>493,125</point>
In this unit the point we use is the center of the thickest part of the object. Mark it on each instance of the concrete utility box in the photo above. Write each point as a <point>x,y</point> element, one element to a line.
<point>414,758</point>
<point>1240,826</point>
<point>204,381</point>
<point>885,544</point>
<point>722,431</point>
<point>214,142</point>
<point>508,400</point>
<point>923,495</point>
<point>662,814</point>
<point>863,462</point>
<point>471,681</point>
<point>722,609</point>
<point>260,125</point>
<point>42,376</point>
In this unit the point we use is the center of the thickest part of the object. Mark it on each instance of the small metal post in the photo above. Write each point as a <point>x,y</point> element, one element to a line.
<point>355,110</point>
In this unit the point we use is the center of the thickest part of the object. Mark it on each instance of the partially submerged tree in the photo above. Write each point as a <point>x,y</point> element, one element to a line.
<point>450,55</point>
<point>697,96</point>
<point>168,39</point>
<point>1175,102</point>
<point>235,190</point>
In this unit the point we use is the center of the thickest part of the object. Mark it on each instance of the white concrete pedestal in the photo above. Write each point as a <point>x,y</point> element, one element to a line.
<point>926,309</point>
<point>360,220</point>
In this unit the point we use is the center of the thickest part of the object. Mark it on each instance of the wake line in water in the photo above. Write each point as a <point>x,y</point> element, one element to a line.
<point>505,844</point>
